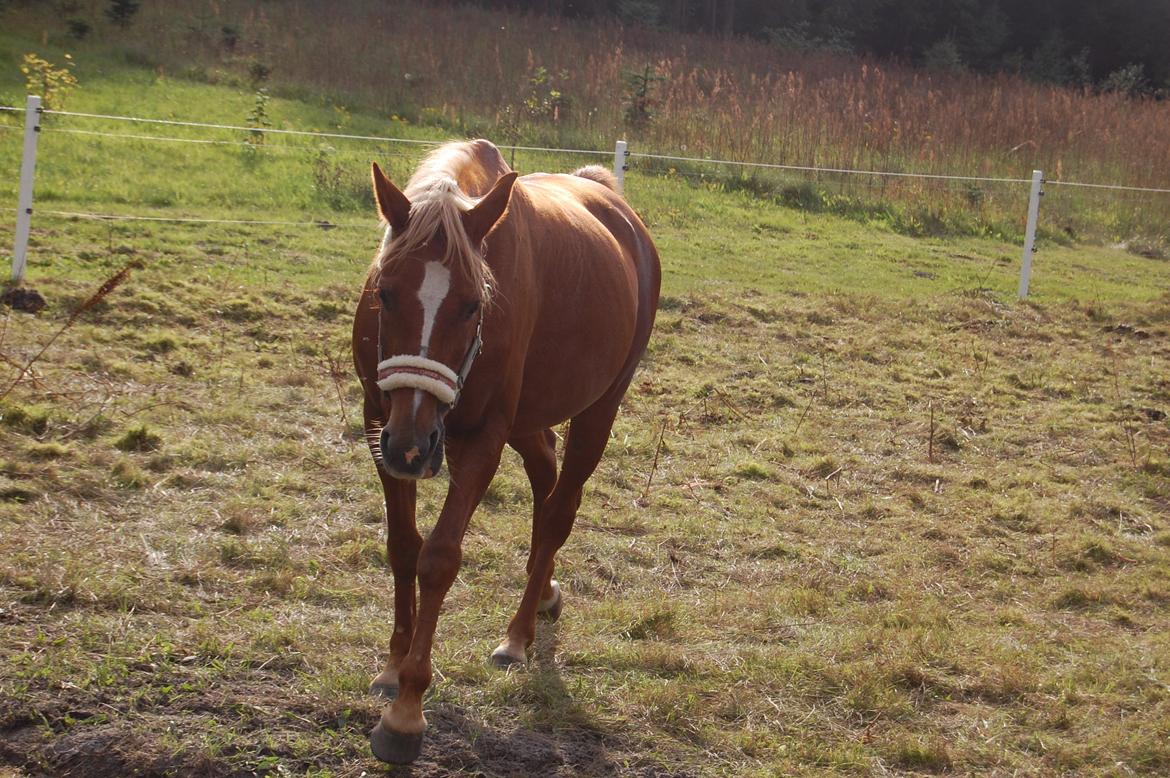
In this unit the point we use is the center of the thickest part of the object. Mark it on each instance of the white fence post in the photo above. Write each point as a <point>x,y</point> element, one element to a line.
<point>28,163</point>
<point>620,154</point>
<point>1030,231</point>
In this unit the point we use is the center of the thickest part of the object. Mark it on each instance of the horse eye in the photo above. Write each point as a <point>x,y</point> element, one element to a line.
<point>386,298</point>
<point>470,309</point>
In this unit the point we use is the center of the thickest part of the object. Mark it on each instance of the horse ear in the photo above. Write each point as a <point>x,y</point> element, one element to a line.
<point>392,204</point>
<point>479,220</point>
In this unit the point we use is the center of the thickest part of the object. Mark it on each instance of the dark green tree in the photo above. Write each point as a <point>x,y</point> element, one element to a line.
<point>121,12</point>
<point>1077,42</point>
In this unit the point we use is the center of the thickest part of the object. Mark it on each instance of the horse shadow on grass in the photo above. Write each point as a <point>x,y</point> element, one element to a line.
<point>562,742</point>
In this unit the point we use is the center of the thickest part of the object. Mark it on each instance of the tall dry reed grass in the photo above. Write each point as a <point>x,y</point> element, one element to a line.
<point>471,69</point>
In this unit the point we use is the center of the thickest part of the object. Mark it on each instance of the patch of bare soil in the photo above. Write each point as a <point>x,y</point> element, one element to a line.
<point>58,739</point>
<point>110,749</point>
<point>22,298</point>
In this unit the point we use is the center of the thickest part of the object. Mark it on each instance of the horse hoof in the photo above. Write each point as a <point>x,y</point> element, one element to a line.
<point>386,690</point>
<point>552,610</point>
<point>503,660</point>
<point>394,747</point>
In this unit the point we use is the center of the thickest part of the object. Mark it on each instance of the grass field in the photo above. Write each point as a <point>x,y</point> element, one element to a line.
<point>899,523</point>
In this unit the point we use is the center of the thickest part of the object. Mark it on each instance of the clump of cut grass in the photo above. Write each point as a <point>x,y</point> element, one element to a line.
<point>657,625</point>
<point>14,493</point>
<point>128,475</point>
<point>138,438</point>
<point>29,419</point>
<point>239,520</point>
<point>823,467</point>
<point>753,471</point>
<point>273,556</point>
<point>1090,554</point>
<point>776,551</point>
<point>161,344</point>
<point>1156,467</point>
<point>160,463</point>
<point>51,450</point>
<point>1079,598</point>
<point>240,309</point>
<point>929,755</point>
<point>869,591</point>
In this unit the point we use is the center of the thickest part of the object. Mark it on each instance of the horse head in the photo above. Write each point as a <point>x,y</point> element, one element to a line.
<point>432,287</point>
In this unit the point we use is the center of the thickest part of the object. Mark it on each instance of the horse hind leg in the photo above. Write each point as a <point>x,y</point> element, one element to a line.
<point>584,445</point>
<point>539,453</point>
<point>540,464</point>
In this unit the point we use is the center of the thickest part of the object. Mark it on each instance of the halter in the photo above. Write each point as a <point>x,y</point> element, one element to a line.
<point>419,372</point>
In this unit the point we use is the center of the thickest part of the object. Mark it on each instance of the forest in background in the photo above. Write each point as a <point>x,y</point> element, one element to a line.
<point>1118,45</point>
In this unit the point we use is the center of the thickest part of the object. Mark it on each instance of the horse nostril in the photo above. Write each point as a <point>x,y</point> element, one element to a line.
<point>433,441</point>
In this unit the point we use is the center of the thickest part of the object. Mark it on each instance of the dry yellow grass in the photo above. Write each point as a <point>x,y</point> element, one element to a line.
<point>472,70</point>
<point>890,528</point>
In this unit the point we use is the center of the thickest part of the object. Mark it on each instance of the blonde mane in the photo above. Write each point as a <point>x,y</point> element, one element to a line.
<point>437,205</point>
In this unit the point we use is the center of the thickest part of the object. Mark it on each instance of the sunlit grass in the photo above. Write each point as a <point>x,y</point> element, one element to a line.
<point>898,521</point>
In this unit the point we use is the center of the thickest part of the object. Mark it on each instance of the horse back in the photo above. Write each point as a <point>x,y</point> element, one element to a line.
<point>597,274</point>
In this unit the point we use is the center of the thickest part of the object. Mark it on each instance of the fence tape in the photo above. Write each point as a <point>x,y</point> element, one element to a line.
<point>306,133</point>
<point>71,131</point>
<point>811,169</point>
<point>239,128</point>
<point>891,174</point>
<point>1108,186</point>
<point>322,224</point>
<point>591,152</point>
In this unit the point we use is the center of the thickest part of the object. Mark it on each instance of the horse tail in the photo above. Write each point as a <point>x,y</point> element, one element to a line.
<point>599,174</point>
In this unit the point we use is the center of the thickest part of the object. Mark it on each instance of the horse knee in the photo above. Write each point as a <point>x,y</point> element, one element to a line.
<point>558,533</point>
<point>403,554</point>
<point>558,520</point>
<point>438,563</point>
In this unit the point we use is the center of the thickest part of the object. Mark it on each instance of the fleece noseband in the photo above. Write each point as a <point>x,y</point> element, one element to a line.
<point>418,372</point>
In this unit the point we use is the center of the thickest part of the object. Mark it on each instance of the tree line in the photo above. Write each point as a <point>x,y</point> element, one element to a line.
<point>1123,45</point>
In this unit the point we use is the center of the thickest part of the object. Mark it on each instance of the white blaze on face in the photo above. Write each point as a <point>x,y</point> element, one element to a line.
<point>436,284</point>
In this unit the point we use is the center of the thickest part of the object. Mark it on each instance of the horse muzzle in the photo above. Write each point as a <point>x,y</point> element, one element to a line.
<point>416,458</point>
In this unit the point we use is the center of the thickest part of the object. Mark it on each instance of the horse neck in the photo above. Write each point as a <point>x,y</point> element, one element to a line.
<point>508,249</point>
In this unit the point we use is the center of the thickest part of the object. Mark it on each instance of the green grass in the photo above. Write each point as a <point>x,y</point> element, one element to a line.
<point>192,573</point>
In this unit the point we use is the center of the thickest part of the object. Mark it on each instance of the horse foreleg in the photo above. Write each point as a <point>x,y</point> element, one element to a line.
<point>398,736</point>
<point>402,548</point>
<point>588,435</point>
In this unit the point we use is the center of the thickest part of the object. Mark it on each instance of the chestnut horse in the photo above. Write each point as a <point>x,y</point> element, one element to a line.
<point>555,280</point>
